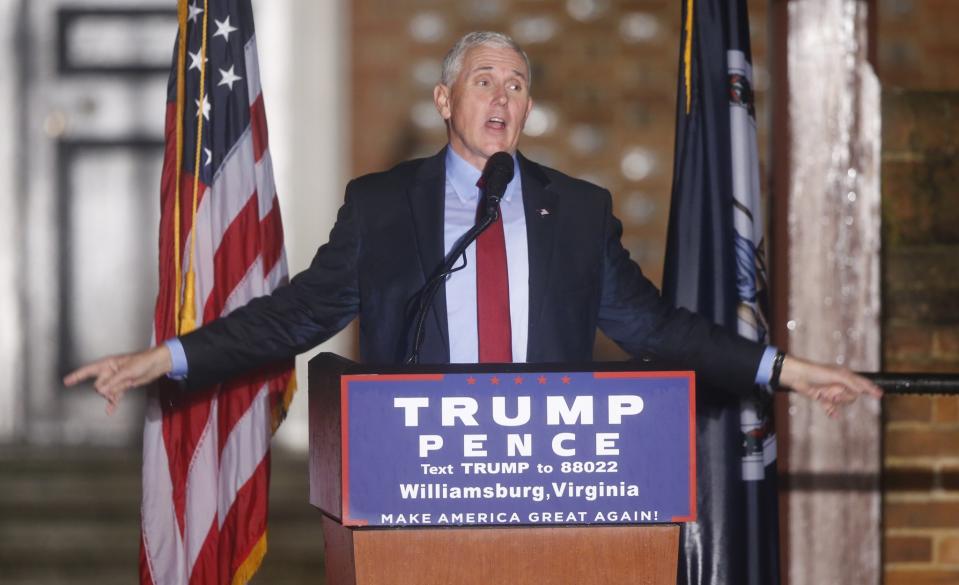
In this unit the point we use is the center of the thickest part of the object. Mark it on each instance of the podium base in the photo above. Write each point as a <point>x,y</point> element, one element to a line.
<point>580,555</point>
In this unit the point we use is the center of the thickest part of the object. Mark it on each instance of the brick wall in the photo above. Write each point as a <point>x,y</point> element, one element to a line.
<point>920,176</point>
<point>918,44</point>
<point>921,334</point>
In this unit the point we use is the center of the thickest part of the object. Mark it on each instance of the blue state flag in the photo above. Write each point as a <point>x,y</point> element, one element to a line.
<point>715,265</point>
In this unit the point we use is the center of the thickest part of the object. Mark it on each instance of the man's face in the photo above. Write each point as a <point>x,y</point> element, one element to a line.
<point>487,105</point>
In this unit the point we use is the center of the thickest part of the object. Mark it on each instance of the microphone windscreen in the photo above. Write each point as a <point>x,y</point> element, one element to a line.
<point>497,174</point>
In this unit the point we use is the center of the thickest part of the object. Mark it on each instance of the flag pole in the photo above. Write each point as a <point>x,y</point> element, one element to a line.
<point>187,321</point>
<point>688,55</point>
<point>180,107</point>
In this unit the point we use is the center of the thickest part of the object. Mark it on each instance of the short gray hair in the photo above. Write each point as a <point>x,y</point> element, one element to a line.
<point>453,61</point>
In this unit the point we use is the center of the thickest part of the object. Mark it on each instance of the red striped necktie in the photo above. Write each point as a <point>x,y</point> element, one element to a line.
<point>492,294</point>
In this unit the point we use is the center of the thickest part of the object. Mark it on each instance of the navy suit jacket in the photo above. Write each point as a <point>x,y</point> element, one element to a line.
<point>388,241</point>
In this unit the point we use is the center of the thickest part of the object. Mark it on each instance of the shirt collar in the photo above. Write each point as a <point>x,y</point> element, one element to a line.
<point>463,176</point>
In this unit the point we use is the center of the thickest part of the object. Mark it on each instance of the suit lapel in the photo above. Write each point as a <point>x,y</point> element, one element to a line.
<point>541,206</point>
<point>427,205</point>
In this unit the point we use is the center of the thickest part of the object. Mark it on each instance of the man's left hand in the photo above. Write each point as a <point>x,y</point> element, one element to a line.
<point>832,387</point>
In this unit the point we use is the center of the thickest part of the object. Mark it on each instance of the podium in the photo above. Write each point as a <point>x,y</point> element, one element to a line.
<point>422,534</point>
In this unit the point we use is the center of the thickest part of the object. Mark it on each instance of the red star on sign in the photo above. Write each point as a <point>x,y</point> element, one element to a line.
<point>518,380</point>
<point>471,380</point>
<point>495,380</point>
<point>541,379</point>
<point>565,379</point>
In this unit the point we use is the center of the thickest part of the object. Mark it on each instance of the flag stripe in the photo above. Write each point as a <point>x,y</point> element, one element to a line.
<point>247,445</point>
<point>242,539</point>
<point>271,234</point>
<point>184,421</point>
<point>163,544</point>
<point>258,124</point>
<point>278,275</point>
<point>205,568</point>
<point>243,392</point>
<point>265,185</point>
<point>253,90</point>
<point>201,486</point>
<point>238,249</point>
<point>145,578</point>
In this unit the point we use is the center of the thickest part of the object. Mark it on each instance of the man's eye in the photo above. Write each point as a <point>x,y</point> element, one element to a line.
<point>515,87</point>
<point>482,82</point>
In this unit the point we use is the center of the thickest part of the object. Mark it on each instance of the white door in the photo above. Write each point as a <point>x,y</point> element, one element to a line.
<point>91,92</point>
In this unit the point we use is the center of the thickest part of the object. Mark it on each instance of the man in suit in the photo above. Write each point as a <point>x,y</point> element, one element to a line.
<point>533,289</point>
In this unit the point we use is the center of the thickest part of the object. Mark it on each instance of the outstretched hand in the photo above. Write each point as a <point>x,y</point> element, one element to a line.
<point>115,374</point>
<point>830,386</point>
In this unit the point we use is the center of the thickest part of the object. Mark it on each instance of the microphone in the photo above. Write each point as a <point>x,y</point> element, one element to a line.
<point>497,174</point>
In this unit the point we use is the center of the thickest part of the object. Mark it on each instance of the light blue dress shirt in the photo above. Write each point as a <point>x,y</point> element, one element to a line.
<point>462,200</point>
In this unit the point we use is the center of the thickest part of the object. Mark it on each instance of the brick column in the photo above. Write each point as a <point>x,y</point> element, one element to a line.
<point>833,312</point>
<point>921,333</point>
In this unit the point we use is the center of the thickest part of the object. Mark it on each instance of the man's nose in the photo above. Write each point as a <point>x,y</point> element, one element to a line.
<point>501,97</point>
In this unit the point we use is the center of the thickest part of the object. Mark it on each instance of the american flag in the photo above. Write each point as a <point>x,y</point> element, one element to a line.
<point>206,460</point>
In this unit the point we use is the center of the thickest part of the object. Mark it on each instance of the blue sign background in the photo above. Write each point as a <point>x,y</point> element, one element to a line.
<point>655,449</point>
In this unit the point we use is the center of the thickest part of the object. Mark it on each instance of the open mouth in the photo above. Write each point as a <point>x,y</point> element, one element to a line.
<point>496,123</point>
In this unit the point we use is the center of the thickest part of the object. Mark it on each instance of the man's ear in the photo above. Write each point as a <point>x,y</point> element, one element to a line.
<point>529,108</point>
<point>441,99</point>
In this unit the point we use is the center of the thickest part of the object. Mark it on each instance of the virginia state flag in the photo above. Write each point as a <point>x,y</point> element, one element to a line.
<point>715,265</point>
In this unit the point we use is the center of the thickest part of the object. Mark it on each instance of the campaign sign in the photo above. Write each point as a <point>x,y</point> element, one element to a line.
<point>518,448</point>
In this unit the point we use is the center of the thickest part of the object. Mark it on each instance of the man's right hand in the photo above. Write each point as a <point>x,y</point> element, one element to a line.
<point>115,374</point>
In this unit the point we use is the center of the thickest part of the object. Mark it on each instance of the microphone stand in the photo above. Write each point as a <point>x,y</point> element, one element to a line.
<point>431,288</point>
